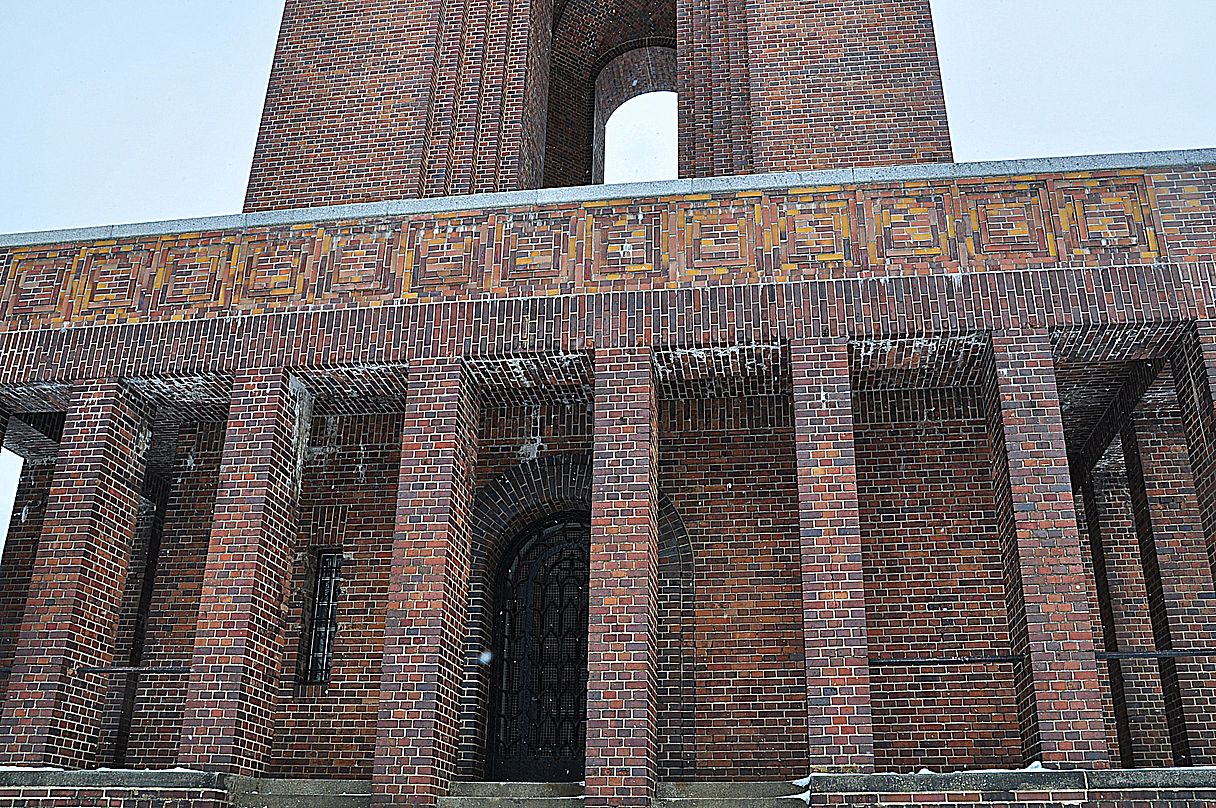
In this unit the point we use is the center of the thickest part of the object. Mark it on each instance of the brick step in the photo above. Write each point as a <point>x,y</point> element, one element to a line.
<point>517,790</point>
<point>729,802</point>
<point>510,802</point>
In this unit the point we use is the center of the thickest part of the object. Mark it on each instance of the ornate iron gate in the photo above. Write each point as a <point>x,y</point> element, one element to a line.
<point>538,729</point>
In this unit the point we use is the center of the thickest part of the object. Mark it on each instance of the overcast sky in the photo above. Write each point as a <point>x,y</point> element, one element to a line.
<point>139,110</point>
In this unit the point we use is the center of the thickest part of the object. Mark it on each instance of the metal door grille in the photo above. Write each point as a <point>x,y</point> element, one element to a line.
<point>541,660</point>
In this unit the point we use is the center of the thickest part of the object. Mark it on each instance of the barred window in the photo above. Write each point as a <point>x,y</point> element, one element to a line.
<point>321,613</point>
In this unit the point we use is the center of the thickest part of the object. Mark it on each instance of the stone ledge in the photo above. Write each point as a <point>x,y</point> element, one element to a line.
<point>1203,778</point>
<point>174,779</point>
<point>596,193</point>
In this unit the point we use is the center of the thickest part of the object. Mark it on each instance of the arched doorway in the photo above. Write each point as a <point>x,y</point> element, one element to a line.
<point>538,697</point>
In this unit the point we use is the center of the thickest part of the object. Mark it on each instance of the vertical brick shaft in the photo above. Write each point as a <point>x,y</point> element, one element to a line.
<point>230,704</point>
<point>623,598</point>
<point>417,729</point>
<point>1194,370</point>
<point>1136,726</point>
<point>841,735</point>
<point>52,709</point>
<point>1050,624</point>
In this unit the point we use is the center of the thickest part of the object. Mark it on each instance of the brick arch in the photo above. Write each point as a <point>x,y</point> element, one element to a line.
<point>586,36</point>
<point>635,72</point>
<point>521,497</point>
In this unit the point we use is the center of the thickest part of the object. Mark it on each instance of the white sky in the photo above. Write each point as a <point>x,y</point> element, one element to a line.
<point>139,110</point>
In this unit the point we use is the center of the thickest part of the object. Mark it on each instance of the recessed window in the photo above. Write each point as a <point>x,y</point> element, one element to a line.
<point>321,616</point>
<point>640,140</point>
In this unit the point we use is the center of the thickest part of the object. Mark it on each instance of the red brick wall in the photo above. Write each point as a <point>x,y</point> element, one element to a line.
<point>728,467</point>
<point>934,591</point>
<point>20,548</point>
<point>347,504</point>
<point>844,84</point>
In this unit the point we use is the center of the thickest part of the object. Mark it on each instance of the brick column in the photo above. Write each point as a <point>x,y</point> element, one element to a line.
<point>1060,703</point>
<point>417,731</point>
<point>52,709</point>
<point>622,605</point>
<point>841,735</point>
<point>230,700</point>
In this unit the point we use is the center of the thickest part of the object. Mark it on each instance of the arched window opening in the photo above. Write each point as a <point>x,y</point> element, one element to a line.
<point>635,117</point>
<point>641,141</point>
<point>601,54</point>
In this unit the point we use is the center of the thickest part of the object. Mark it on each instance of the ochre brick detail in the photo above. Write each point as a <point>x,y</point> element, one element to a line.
<point>623,596</point>
<point>417,730</point>
<point>51,710</point>
<point>841,735</point>
<point>230,704</point>
<point>721,239</point>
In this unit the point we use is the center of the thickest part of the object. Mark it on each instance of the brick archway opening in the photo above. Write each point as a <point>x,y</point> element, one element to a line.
<point>634,73</point>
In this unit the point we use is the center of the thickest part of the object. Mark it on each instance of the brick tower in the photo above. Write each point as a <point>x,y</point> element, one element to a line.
<point>445,476</point>
<point>375,101</point>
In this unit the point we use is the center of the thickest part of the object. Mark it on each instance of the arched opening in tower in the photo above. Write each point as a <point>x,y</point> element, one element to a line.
<point>635,136</point>
<point>601,55</point>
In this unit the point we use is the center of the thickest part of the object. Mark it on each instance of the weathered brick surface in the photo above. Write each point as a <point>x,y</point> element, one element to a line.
<point>876,472</point>
<point>230,703</point>
<point>1136,717</point>
<point>841,734</point>
<point>1179,575</point>
<point>728,466</point>
<point>844,84</point>
<point>935,597</point>
<point>417,729</point>
<point>1059,702</point>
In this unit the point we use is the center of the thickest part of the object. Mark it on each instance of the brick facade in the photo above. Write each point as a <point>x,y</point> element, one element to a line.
<point>881,469</point>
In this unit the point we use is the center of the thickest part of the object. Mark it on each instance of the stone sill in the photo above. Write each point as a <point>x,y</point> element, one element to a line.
<point>597,193</point>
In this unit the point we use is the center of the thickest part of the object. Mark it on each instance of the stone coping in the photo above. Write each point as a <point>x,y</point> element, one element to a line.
<point>1200,778</point>
<point>597,193</point>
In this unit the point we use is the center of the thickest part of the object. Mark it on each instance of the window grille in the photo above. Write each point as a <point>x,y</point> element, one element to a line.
<point>323,616</point>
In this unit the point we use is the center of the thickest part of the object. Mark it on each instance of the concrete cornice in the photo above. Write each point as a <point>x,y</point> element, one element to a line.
<point>631,191</point>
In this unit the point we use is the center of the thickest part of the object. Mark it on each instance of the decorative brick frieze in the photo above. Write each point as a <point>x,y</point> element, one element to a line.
<point>980,224</point>
<point>1060,705</point>
<point>55,690</point>
<point>840,731</point>
<point>230,703</point>
<point>623,596</point>
<point>417,732</point>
